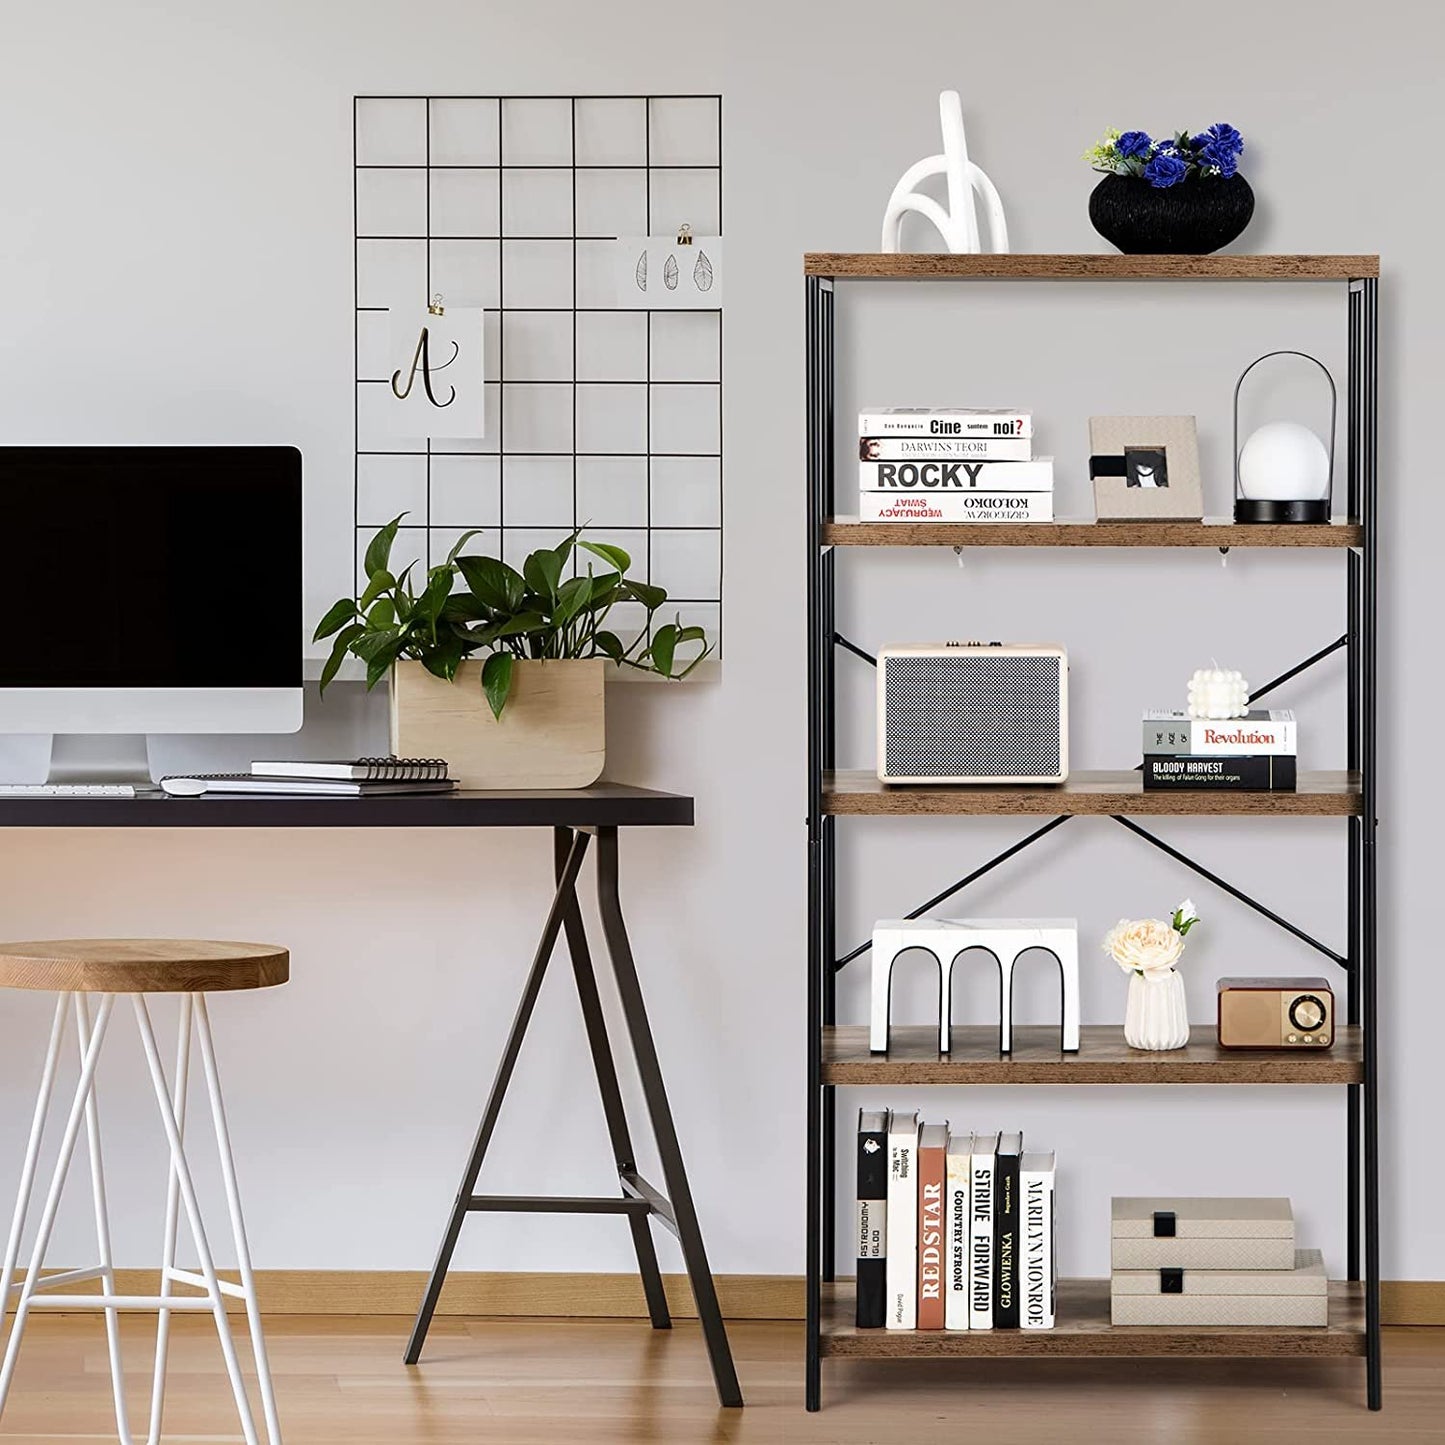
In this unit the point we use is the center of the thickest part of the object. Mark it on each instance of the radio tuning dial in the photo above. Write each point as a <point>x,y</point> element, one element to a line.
<point>1307,1012</point>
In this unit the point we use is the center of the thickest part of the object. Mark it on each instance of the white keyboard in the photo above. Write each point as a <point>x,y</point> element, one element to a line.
<point>66,790</point>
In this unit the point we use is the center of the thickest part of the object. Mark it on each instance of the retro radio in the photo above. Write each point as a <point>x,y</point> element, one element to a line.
<point>1275,1013</point>
<point>973,712</point>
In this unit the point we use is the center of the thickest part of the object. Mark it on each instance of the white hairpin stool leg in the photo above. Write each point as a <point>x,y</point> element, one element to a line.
<point>32,1153</point>
<point>945,999</point>
<point>172,1226</point>
<point>238,1226</point>
<point>193,1215</point>
<point>52,1198</point>
<point>881,964</point>
<point>1006,956</point>
<point>1066,945</point>
<point>102,1229</point>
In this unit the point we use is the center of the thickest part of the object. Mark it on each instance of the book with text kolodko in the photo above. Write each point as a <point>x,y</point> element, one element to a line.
<point>901,1236</point>
<point>932,1173</point>
<point>955,1208</point>
<point>1006,1231</point>
<point>980,1232</point>
<point>1039,1264</point>
<point>872,1214</point>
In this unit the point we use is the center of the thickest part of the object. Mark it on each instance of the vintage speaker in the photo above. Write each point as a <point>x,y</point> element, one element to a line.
<point>973,712</point>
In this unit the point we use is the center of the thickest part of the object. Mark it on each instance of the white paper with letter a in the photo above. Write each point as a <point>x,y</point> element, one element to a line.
<point>435,373</point>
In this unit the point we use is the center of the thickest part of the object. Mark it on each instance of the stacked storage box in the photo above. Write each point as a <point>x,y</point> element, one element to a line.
<point>1212,1262</point>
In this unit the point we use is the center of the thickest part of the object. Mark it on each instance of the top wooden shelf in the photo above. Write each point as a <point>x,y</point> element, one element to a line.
<point>1106,266</point>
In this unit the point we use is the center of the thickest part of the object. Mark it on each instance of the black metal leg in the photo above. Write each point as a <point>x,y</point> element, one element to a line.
<point>659,1112</point>
<point>566,886</point>
<point>606,1069</point>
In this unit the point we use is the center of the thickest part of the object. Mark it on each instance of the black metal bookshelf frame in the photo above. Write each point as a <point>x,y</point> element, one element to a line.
<point>1359,642</point>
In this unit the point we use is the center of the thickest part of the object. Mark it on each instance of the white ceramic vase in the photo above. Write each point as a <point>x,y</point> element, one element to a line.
<point>1156,1015</point>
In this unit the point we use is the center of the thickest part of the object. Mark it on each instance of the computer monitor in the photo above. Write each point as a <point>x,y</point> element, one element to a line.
<point>151,590</point>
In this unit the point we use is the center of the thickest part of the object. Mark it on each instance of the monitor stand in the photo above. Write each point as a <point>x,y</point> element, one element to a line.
<point>100,758</point>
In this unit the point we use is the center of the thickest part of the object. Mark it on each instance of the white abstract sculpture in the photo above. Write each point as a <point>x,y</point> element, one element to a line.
<point>958,225</point>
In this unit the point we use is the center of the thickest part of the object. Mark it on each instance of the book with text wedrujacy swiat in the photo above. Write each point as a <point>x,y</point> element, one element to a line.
<point>901,1237</point>
<point>871,1217</point>
<point>1006,1231</point>
<point>932,1175</point>
<point>955,1209</point>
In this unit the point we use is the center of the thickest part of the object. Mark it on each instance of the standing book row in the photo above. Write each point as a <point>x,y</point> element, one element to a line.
<point>955,1230</point>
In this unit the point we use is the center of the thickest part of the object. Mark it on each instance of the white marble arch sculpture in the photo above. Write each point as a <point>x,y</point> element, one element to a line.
<point>947,939</point>
<point>958,225</point>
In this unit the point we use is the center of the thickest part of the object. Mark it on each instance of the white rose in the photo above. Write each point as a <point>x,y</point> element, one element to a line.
<point>1144,945</point>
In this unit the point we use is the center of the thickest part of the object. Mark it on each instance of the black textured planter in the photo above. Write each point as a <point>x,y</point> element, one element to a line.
<point>1192,218</point>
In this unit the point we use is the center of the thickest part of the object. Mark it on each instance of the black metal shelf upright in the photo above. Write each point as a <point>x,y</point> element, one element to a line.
<point>1358,538</point>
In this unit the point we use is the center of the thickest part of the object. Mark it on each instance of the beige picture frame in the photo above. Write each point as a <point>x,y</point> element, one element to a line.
<point>1132,440</point>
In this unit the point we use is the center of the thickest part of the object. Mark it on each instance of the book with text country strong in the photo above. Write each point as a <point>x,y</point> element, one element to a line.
<point>955,1208</point>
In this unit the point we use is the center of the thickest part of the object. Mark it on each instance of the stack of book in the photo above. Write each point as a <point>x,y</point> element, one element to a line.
<point>921,465</point>
<point>955,1231</point>
<point>1256,751</point>
<point>344,778</point>
<point>1212,1262</point>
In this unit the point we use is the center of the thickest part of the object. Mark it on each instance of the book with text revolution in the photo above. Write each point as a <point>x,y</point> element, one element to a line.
<point>1259,733</point>
<point>872,1216</point>
<point>980,1233</point>
<point>932,1172</point>
<point>927,421</point>
<point>901,1237</point>
<point>1038,1270</point>
<point>1006,1231</point>
<point>1240,773</point>
<point>362,770</point>
<point>969,449</point>
<point>958,507</point>
<point>947,477</point>
<point>955,1209</point>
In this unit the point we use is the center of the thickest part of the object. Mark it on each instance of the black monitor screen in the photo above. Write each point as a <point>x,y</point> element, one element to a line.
<point>151,566</point>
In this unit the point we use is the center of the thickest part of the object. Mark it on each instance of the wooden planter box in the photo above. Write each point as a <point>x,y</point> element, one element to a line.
<point>551,733</point>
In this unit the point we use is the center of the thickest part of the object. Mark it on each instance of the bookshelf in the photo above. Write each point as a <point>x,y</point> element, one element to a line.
<point>838,1055</point>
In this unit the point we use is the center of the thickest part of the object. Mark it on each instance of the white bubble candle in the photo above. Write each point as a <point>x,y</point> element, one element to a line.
<point>1215,692</point>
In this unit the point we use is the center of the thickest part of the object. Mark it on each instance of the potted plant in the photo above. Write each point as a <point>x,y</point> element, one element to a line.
<point>531,645</point>
<point>1156,1016</point>
<point>1167,197</point>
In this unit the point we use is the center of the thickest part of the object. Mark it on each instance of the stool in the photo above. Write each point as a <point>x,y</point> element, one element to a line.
<point>947,939</point>
<point>76,970</point>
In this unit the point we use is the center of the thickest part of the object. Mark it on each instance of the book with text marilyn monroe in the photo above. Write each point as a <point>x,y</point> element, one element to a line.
<point>945,449</point>
<point>927,421</point>
<point>963,507</point>
<point>1261,732</point>
<point>945,477</point>
<point>901,1237</point>
<point>1006,1231</point>
<point>980,1233</point>
<point>872,1212</point>
<point>932,1173</point>
<point>1038,1264</point>
<point>955,1206</point>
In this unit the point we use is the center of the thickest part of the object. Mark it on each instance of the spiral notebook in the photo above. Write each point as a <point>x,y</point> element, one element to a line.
<point>362,770</point>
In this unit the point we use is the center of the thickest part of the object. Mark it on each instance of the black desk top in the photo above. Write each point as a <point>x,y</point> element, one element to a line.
<point>603,805</point>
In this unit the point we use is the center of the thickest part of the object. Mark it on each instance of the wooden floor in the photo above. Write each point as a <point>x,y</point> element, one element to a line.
<point>547,1382</point>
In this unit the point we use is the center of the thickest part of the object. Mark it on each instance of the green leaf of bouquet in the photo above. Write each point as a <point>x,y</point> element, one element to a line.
<point>614,555</point>
<point>378,551</point>
<point>336,618</point>
<point>339,649</point>
<point>497,681</point>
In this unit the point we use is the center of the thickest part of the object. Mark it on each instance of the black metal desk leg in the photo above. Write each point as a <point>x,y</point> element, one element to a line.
<point>612,1107</point>
<point>689,1235</point>
<point>566,893</point>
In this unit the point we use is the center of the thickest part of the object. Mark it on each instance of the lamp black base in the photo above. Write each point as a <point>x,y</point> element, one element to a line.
<point>1247,510</point>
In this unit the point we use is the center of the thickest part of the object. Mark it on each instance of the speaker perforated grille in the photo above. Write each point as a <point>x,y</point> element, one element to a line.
<point>971,716</point>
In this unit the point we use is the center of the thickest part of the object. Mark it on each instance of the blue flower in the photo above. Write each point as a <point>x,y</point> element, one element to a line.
<point>1226,162</point>
<point>1133,143</point>
<point>1222,138</point>
<point>1166,169</point>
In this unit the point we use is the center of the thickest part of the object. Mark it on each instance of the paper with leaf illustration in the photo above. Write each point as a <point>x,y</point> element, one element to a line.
<point>656,273</point>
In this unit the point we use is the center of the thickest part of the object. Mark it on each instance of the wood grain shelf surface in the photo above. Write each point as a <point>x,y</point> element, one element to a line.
<point>1104,266</point>
<point>1332,794</point>
<point>1083,532</point>
<point>1103,1058</point>
<point>1083,1328</point>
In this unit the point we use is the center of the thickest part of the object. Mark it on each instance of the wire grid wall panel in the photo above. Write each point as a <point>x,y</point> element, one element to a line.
<point>597,415</point>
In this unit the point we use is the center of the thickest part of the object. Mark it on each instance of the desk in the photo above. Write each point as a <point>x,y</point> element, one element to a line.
<point>576,817</point>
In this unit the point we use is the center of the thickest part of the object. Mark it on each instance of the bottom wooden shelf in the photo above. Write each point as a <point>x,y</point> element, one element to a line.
<point>1083,1329</point>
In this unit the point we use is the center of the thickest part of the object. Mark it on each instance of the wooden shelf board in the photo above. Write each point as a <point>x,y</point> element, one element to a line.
<point>1083,532</point>
<point>1103,266</point>
<point>1083,1328</point>
<point>1333,794</point>
<point>1103,1058</point>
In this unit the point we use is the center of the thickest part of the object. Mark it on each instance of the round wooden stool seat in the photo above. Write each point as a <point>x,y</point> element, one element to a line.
<point>141,965</point>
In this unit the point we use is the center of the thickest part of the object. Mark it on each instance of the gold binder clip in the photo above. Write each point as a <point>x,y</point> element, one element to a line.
<point>436,308</point>
<point>684,235</point>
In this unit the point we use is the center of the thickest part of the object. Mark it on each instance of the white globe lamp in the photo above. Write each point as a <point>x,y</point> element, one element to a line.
<point>1283,472</point>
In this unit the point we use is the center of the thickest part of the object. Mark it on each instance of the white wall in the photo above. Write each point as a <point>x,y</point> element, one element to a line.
<point>175,266</point>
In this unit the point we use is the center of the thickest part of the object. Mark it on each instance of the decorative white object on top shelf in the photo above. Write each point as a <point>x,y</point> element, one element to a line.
<point>1005,940</point>
<point>1217,693</point>
<point>435,383</point>
<point>682,272</point>
<point>958,225</point>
